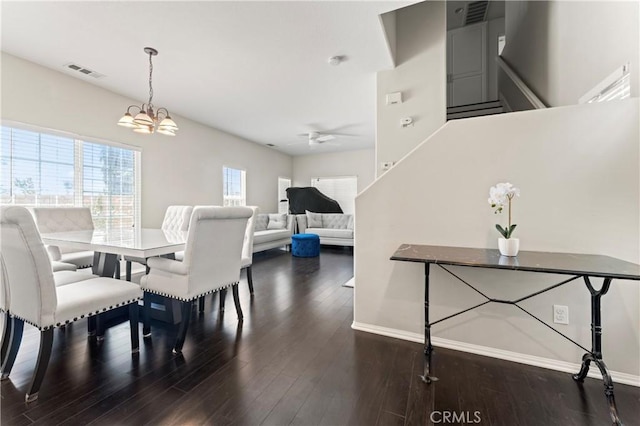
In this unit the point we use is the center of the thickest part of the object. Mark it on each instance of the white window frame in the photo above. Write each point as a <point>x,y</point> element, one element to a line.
<point>78,163</point>
<point>283,201</point>
<point>235,200</point>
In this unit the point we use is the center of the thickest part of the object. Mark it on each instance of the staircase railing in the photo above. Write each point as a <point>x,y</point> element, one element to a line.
<point>514,93</point>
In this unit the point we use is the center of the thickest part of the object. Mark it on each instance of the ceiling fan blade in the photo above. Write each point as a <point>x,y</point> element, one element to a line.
<point>325,138</point>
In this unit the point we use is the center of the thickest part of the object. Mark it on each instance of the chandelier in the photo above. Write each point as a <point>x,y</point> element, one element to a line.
<point>147,120</point>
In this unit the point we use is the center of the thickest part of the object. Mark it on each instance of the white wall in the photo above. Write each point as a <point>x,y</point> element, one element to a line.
<point>388,22</point>
<point>578,169</point>
<point>420,75</point>
<point>360,163</point>
<point>185,169</point>
<point>562,49</point>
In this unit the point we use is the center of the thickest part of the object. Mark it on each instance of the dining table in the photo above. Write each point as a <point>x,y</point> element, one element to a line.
<point>111,244</point>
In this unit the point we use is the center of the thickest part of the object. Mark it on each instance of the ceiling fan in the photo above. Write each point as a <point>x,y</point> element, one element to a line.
<point>317,138</point>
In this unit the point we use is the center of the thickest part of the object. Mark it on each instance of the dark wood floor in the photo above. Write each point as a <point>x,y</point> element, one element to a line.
<point>294,360</point>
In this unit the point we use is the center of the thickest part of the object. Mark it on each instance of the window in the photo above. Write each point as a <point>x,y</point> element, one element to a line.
<point>342,189</point>
<point>43,169</point>
<point>615,87</point>
<point>283,201</point>
<point>108,186</point>
<point>233,187</point>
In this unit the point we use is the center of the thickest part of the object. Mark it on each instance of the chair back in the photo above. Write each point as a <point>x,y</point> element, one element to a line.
<point>4,293</point>
<point>31,290</point>
<point>213,249</point>
<point>176,218</point>
<point>247,245</point>
<point>63,219</point>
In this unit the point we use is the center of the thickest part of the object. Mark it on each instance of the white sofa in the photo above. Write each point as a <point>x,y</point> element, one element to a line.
<point>333,228</point>
<point>272,230</point>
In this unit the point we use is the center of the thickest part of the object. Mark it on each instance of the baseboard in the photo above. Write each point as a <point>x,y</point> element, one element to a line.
<point>349,283</point>
<point>551,364</point>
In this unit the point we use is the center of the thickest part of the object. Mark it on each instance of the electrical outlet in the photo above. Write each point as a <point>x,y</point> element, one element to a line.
<point>560,314</point>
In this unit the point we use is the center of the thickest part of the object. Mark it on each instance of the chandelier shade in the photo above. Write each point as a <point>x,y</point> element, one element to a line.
<point>127,121</point>
<point>146,121</point>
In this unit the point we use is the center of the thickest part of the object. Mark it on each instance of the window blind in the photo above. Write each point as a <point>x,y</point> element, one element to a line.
<point>42,169</point>
<point>233,187</point>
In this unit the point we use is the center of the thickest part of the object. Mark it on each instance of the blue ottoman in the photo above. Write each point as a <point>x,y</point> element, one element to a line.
<point>305,245</point>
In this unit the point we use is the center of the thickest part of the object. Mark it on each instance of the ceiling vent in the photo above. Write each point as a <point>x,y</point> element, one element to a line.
<point>476,12</point>
<point>83,70</point>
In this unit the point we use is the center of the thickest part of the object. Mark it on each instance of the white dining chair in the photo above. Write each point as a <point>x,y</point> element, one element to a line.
<point>247,258</point>
<point>62,277</point>
<point>63,219</point>
<point>62,266</point>
<point>32,296</point>
<point>176,218</point>
<point>212,259</point>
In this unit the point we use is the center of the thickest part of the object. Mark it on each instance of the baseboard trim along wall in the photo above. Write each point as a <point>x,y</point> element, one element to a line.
<point>551,364</point>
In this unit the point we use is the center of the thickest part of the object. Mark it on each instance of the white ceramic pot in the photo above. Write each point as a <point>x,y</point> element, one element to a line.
<point>509,246</point>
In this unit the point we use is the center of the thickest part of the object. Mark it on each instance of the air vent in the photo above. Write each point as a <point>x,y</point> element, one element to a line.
<point>476,12</point>
<point>83,70</point>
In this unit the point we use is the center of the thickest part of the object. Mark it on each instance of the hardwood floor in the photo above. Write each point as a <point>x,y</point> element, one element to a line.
<point>294,360</point>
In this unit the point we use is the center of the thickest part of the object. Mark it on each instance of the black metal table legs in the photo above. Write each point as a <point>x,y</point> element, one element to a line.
<point>428,348</point>
<point>595,355</point>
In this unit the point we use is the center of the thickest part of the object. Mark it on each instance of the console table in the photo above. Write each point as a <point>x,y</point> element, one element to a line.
<point>576,266</point>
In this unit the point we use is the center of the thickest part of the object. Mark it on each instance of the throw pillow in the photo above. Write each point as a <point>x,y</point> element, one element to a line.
<point>314,220</point>
<point>261,222</point>
<point>277,221</point>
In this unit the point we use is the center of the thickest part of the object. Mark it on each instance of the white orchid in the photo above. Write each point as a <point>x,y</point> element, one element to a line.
<point>500,195</point>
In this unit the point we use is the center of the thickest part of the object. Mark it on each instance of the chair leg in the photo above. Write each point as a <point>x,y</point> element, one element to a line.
<point>6,336</point>
<point>201,304</point>
<point>46,343</point>
<point>99,327</point>
<point>91,326</point>
<point>173,309</point>
<point>250,279</point>
<point>128,270</point>
<point>15,338</point>
<point>223,296</point>
<point>146,317</point>
<point>236,300</point>
<point>184,325</point>
<point>133,323</point>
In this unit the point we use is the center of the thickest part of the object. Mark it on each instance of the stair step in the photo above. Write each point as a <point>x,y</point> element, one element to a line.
<point>474,113</point>
<point>474,107</point>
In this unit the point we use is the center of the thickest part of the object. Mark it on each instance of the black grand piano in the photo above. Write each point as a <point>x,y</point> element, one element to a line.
<point>309,198</point>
